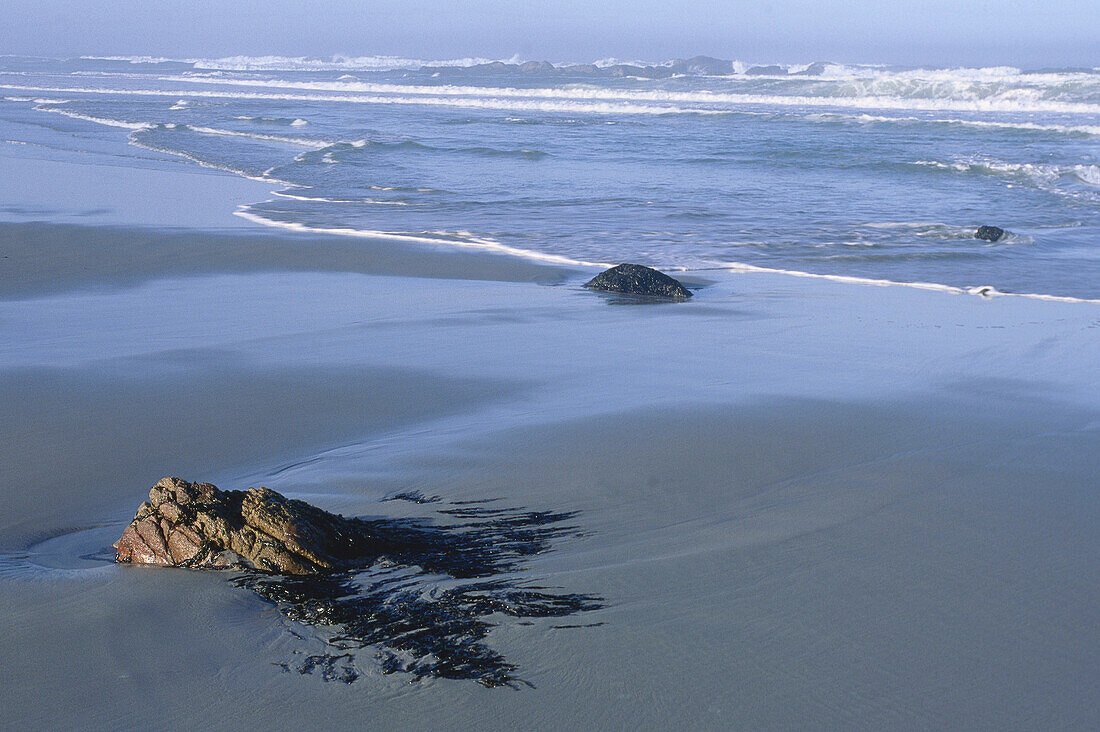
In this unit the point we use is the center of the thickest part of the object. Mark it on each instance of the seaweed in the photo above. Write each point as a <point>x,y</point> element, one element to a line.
<point>413,497</point>
<point>426,606</point>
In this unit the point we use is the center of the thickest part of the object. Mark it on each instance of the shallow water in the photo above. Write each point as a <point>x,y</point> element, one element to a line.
<point>872,172</point>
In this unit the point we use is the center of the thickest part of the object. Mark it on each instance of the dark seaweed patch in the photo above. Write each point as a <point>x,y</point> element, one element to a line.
<point>326,665</point>
<point>413,497</point>
<point>427,605</point>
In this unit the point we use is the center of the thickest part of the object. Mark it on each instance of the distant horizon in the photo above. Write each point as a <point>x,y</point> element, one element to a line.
<point>350,59</point>
<point>937,33</point>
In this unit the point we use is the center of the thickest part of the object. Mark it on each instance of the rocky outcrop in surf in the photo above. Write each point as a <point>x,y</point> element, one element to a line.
<point>636,279</point>
<point>695,66</point>
<point>817,68</point>
<point>989,233</point>
<point>772,70</point>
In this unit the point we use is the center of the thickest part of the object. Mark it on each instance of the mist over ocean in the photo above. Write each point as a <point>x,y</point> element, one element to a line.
<point>857,171</point>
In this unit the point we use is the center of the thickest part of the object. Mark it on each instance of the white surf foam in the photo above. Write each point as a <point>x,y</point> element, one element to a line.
<point>1042,175</point>
<point>927,229</point>
<point>207,164</point>
<point>323,199</point>
<point>587,101</point>
<point>1089,174</point>
<point>297,141</point>
<point>982,290</point>
<point>461,240</point>
<point>828,71</point>
<point>936,230</point>
<point>883,97</point>
<point>470,103</point>
<point>97,120</point>
<point>1093,130</point>
<point>37,100</point>
<point>470,241</point>
<point>303,63</point>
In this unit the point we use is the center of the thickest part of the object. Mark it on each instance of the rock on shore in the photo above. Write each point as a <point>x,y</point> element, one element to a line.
<point>634,279</point>
<point>307,563</point>
<point>196,525</point>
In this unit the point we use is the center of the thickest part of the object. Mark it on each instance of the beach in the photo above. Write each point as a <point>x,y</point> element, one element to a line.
<point>803,502</point>
<point>799,501</point>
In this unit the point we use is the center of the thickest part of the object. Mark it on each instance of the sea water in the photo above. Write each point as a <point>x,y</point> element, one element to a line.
<point>847,171</point>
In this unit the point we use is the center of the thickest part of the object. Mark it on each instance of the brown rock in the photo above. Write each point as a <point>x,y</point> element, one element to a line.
<point>182,547</point>
<point>196,525</point>
<point>132,548</point>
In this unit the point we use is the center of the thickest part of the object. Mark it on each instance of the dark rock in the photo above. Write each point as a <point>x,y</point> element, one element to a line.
<point>645,72</point>
<point>698,65</point>
<point>989,233</point>
<point>695,66</point>
<point>634,279</point>
<point>581,69</point>
<point>537,67</point>
<point>766,71</point>
<point>817,68</point>
<point>492,67</point>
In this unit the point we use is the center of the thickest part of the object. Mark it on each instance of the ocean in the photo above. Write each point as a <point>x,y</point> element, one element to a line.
<point>849,171</point>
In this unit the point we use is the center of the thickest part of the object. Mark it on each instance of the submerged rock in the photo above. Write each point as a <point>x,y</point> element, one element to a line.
<point>634,279</point>
<point>989,233</point>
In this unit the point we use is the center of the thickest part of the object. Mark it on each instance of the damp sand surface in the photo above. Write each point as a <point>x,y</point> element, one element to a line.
<point>802,503</point>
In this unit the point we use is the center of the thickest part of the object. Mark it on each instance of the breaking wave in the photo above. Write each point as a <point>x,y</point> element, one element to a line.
<point>298,141</point>
<point>1088,130</point>
<point>1077,181</point>
<point>579,100</point>
<point>97,120</point>
<point>699,65</point>
<point>801,155</point>
<point>922,96</point>
<point>300,63</point>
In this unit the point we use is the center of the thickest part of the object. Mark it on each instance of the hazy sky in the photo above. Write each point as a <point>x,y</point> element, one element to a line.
<point>1011,32</point>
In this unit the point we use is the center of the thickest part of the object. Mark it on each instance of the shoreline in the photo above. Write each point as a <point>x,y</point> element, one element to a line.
<point>129,321</point>
<point>39,259</point>
<point>224,206</point>
<point>119,189</point>
<point>805,502</point>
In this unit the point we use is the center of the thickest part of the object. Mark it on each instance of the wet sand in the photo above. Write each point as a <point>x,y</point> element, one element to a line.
<point>39,258</point>
<point>804,503</point>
